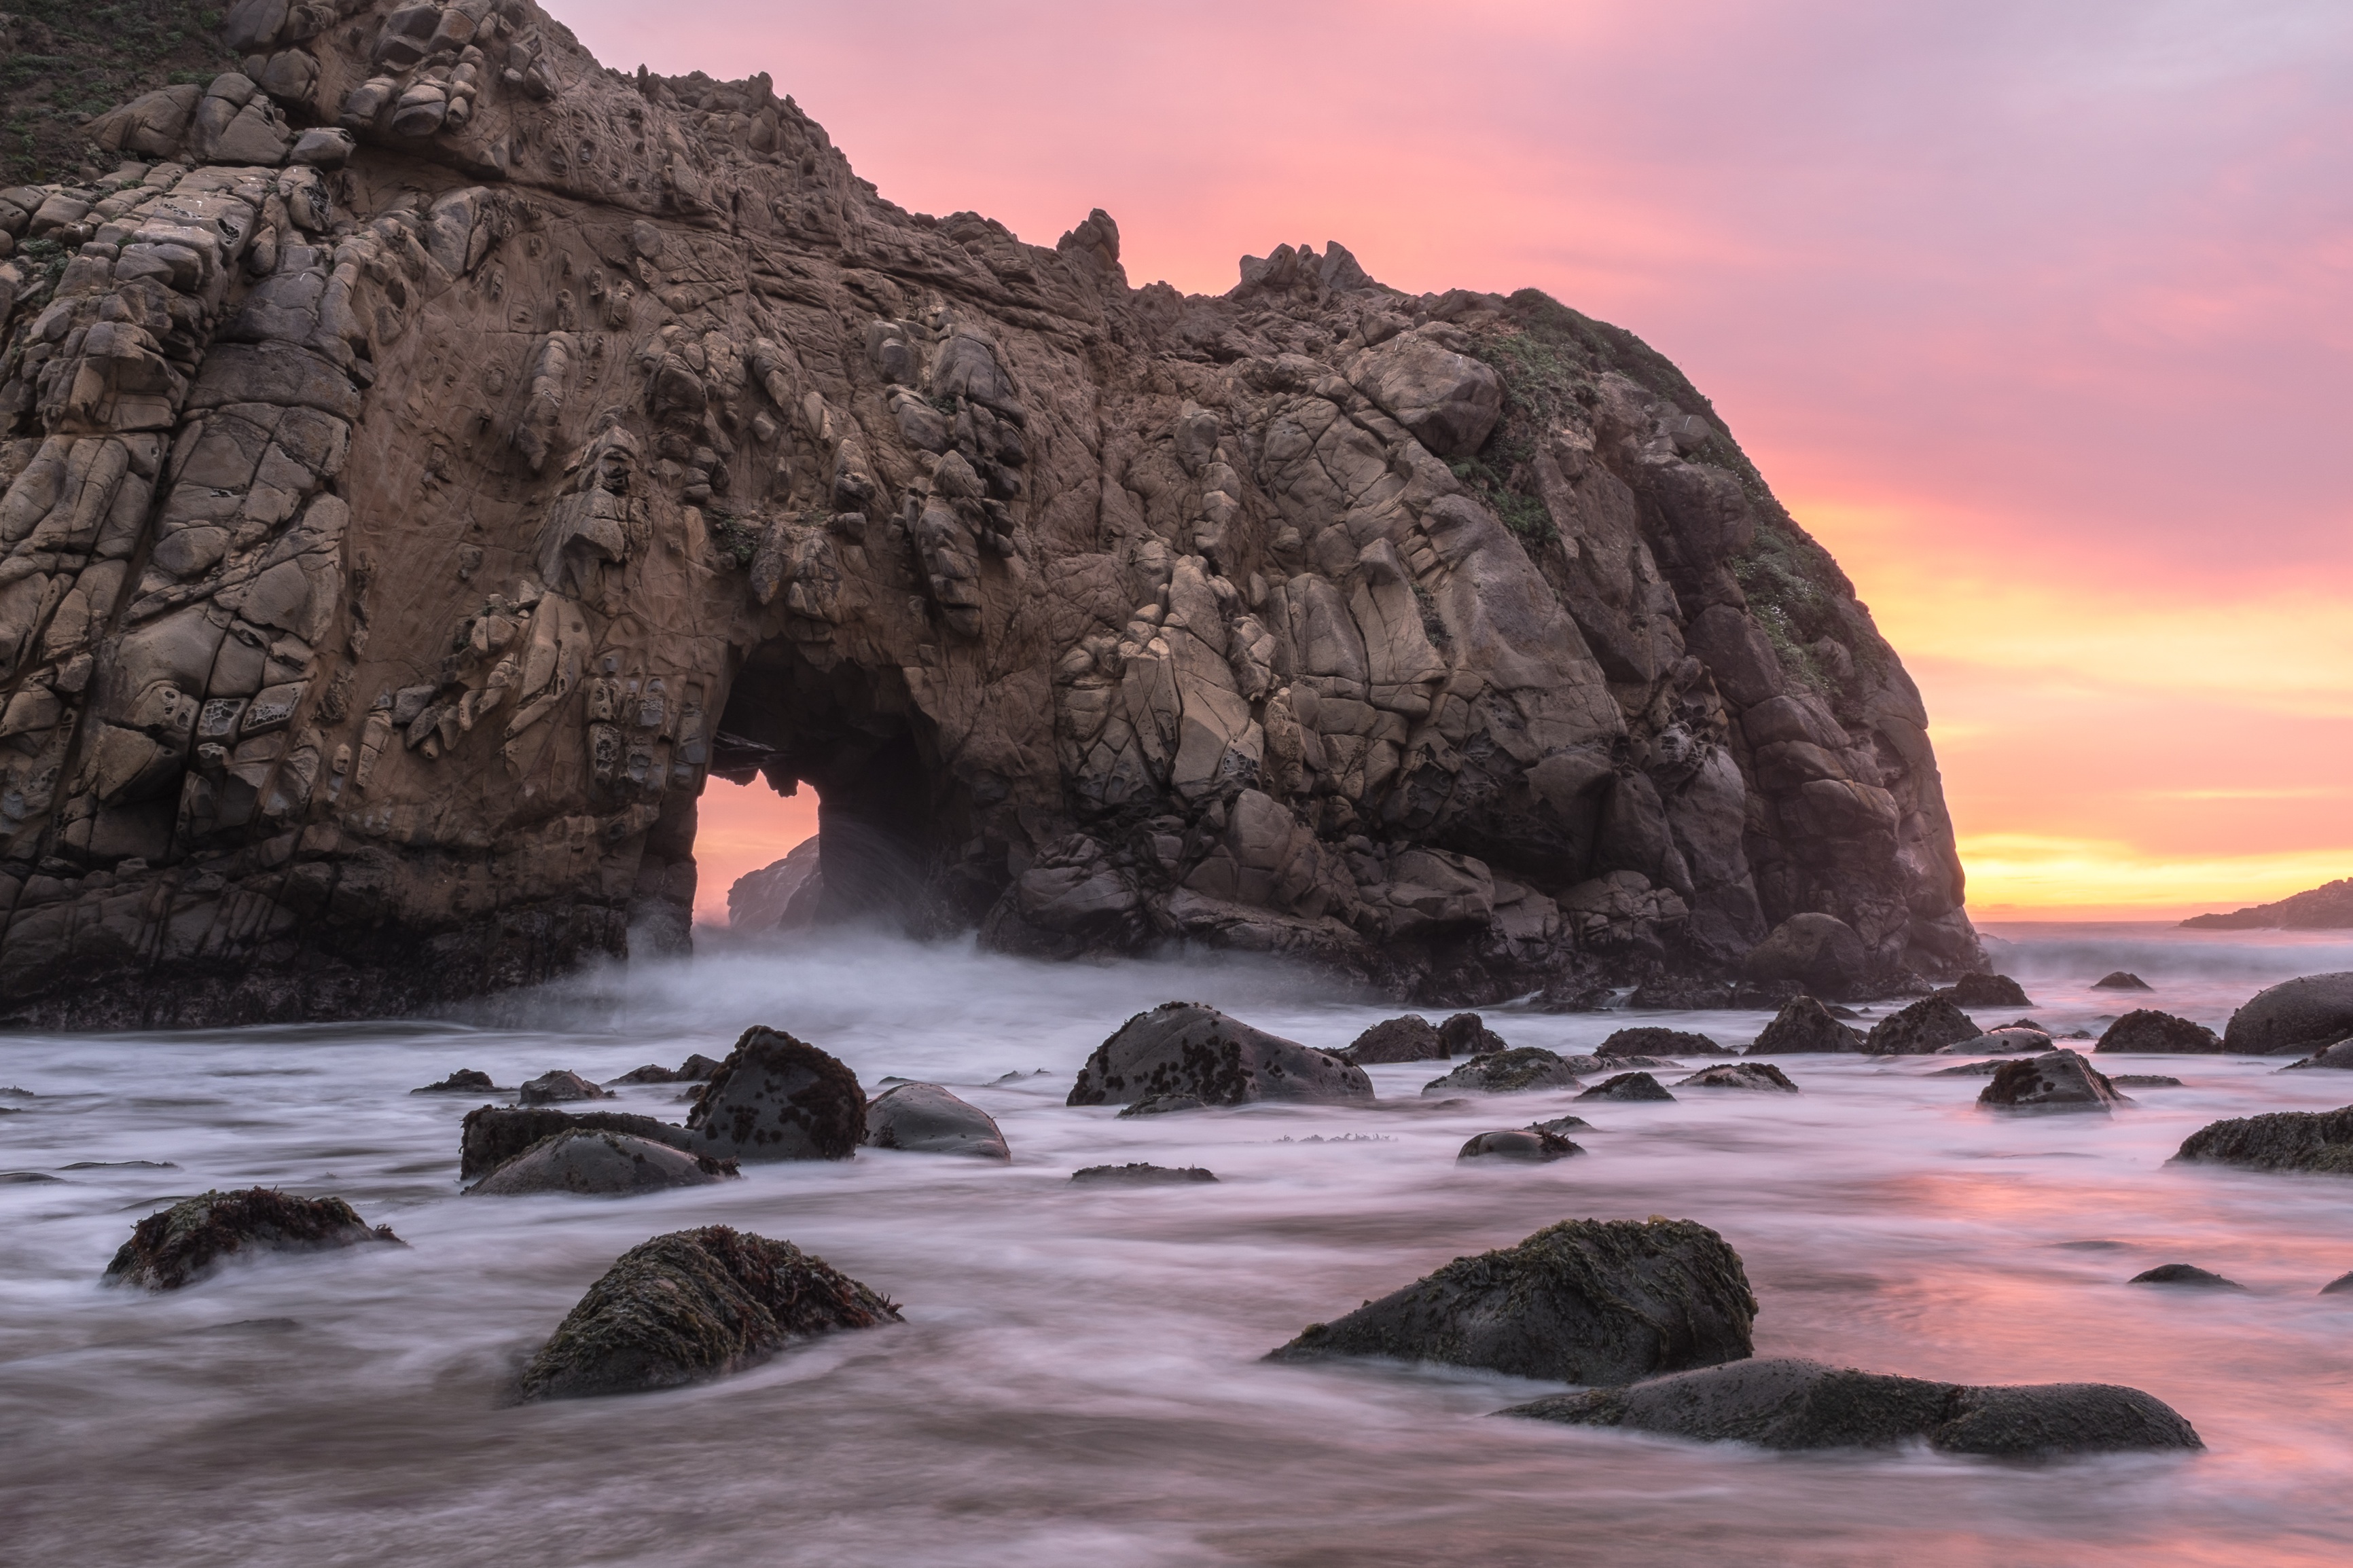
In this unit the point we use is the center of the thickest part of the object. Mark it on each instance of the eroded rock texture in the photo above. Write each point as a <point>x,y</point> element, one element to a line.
<point>429,455</point>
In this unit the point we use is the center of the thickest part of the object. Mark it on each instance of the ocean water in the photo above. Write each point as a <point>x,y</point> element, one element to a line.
<point>1078,1380</point>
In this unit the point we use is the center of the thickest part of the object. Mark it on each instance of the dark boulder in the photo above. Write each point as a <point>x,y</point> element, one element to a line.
<point>2340,1286</point>
<point>465,1081</point>
<point>196,1236</point>
<point>1986,990</point>
<point>2054,1081</point>
<point>2186,1276</point>
<point>1163,1105</point>
<point>560,1088</point>
<point>1785,1403</point>
<point>1140,1175</point>
<point>1514,1072</point>
<point>2338,1056</point>
<point>1562,1126</point>
<point>1411,1038</point>
<point>2121,980</point>
<point>2320,1141</point>
<point>2007,1041</point>
<point>1628,1086</point>
<point>2144,1080</point>
<point>1760,1076</point>
<point>1927,1027</point>
<point>652,1072</point>
<point>1184,1048</point>
<point>1586,1300</point>
<point>1467,1035</point>
<point>1804,1025</point>
<point>1656,1042</point>
<point>695,1305</point>
<point>777,1097</point>
<point>698,1068</point>
<point>924,1119</point>
<point>592,1160</point>
<point>492,1134</point>
<point>1820,953</point>
<point>2148,1031</point>
<point>2293,1017</point>
<point>1531,1143</point>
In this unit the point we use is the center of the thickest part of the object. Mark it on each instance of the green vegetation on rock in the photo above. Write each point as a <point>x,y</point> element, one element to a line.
<point>61,63</point>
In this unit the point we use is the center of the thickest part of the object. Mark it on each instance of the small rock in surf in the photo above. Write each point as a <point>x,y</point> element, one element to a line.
<point>1531,1143</point>
<point>1514,1072</point>
<point>195,1237</point>
<point>1804,1025</point>
<point>2146,1030</point>
<point>1410,1038</point>
<point>924,1119</point>
<point>777,1097</point>
<point>2185,1276</point>
<point>1140,1175</point>
<point>465,1081</point>
<point>1184,1048</point>
<point>1759,1075</point>
<point>2121,980</point>
<point>587,1160</point>
<point>2320,1141</point>
<point>2054,1081</point>
<point>1628,1086</point>
<point>560,1088</point>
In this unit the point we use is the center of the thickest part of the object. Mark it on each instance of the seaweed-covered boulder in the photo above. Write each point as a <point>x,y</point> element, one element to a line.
<point>1785,1403</point>
<point>695,1305</point>
<point>652,1072</point>
<point>2054,1081</point>
<point>1762,1077</point>
<point>465,1081</point>
<point>196,1235</point>
<point>698,1068</point>
<point>588,1160</point>
<point>1804,1025</point>
<point>2007,1041</point>
<point>1467,1035</point>
<point>924,1119</point>
<point>1532,1143</point>
<point>1514,1072</point>
<point>777,1097</point>
<point>1139,1174</point>
<point>2121,980</point>
<point>1819,951</point>
<point>1411,1038</point>
<point>2338,1057</point>
<point>559,1087</point>
<point>1628,1086</point>
<point>1586,1300</point>
<point>1982,990</point>
<point>2316,1140</point>
<point>2148,1031</point>
<point>1184,1048</point>
<point>1924,1027</point>
<point>2185,1276</point>
<point>2293,1017</point>
<point>1658,1042</point>
<point>492,1134</point>
<point>1163,1105</point>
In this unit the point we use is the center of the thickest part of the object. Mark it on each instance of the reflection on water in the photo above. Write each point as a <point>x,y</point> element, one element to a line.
<point>1078,1382</point>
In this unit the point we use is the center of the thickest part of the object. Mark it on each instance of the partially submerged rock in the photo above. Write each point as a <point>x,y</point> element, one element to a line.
<point>1759,1075</point>
<point>1926,1026</point>
<point>560,1088</point>
<point>1628,1086</point>
<point>2186,1276</point>
<point>1785,1403</point>
<point>1984,990</point>
<point>2144,1080</point>
<point>695,1305</point>
<point>1467,1035</point>
<point>924,1119</point>
<point>1562,1126</point>
<point>1164,1105</point>
<point>699,1068</point>
<point>2340,1286</point>
<point>589,1160</point>
<point>2056,1081</point>
<point>1139,1174</point>
<point>1184,1048</point>
<point>1410,1038</point>
<point>2146,1030</point>
<point>2293,1017</point>
<point>1534,1143</point>
<point>1658,1042</point>
<point>2007,1041</point>
<point>2121,980</point>
<point>2338,1057</point>
<point>465,1081</point>
<point>492,1134</point>
<point>1804,1025</point>
<point>777,1097</point>
<point>1514,1072</point>
<point>2320,1141</point>
<point>652,1072</point>
<point>1586,1300</point>
<point>196,1236</point>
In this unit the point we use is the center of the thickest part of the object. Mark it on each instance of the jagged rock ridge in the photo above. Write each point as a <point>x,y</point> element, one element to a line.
<point>430,455</point>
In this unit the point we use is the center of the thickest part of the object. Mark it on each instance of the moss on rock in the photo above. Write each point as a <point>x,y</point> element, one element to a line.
<point>195,1237</point>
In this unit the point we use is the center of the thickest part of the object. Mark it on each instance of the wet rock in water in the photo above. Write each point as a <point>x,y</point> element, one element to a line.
<point>1467,1035</point>
<point>1515,1072</point>
<point>2187,1276</point>
<point>195,1237</point>
<point>2340,1286</point>
<point>2338,1057</point>
<point>2293,1017</point>
<point>465,1081</point>
<point>1140,1175</point>
<point>1973,1070</point>
<point>1820,953</point>
<point>777,1097</point>
<point>1628,1086</point>
<point>1657,1042</point>
<point>924,1119</point>
<point>1785,1403</point>
<point>1411,1038</point>
<point>27,1178</point>
<point>2009,1039</point>
<point>1586,1300</point>
<point>2058,1080</point>
<point>1184,1048</point>
<point>591,1160</point>
<point>652,1072</point>
<point>1164,1105</point>
<point>2320,1141</point>
<point>559,1087</point>
<point>1761,1076</point>
<point>699,1068</point>
<point>1532,1143</point>
<point>1983,990</point>
<point>492,1134</point>
<point>1562,1126</point>
<point>2121,980</point>
<point>1923,1029</point>
<point>1804,1025</point>
<point>2144,1080</point>
<point>120,1165</point>
<point>696,1305</point>
<point>2146,1030</point>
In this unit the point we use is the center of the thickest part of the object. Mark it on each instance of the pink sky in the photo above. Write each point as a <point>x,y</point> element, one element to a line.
<point>2038,315</point>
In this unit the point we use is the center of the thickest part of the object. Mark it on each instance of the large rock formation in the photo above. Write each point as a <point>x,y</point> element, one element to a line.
<point>2329,907</point>
<point>428,455</point>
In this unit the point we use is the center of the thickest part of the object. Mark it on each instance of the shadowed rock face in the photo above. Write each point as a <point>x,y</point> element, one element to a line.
<point>429,458</point>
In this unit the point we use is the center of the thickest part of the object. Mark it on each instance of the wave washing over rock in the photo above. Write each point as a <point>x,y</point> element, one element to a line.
<point>430,455</point>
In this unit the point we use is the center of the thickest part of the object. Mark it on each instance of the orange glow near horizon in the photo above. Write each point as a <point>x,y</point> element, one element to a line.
<point>740,828</point>
<point>2038,317</point>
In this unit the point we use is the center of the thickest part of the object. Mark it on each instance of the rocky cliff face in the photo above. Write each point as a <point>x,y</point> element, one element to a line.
<point>430,455</point>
